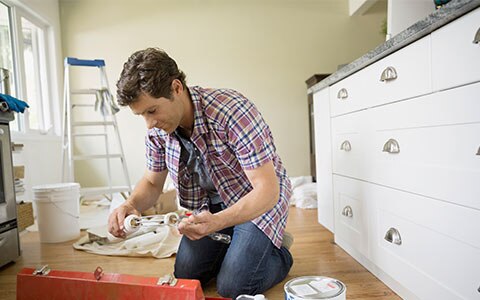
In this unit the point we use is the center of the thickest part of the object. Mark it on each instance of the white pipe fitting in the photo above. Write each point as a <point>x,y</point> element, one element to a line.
<point>131,224</point>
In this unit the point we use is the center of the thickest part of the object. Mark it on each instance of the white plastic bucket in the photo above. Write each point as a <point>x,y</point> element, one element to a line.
<point>58,210</point>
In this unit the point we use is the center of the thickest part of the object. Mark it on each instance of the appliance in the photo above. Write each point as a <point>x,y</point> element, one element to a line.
<point>9,241</point>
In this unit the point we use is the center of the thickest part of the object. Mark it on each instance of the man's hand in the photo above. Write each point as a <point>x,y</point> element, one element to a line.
<point>116,218</point>
<point>198,226</point>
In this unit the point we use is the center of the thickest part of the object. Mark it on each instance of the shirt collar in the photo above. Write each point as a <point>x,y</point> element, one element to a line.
<point>199,124</point>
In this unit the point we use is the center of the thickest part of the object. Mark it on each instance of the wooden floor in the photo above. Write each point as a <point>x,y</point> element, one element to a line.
<point>313,250</point>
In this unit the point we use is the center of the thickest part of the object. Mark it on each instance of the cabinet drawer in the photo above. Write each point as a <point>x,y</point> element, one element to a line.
<point>350,209</point>
<point>349,142</point>
<point>412,66</point>
<point>367,88</point>
<point>437,249</point>
<point>349,94</point>
<point>455,58</point>
<point>438,138</point>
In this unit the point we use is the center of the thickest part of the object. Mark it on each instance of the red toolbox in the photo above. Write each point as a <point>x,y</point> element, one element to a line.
<point>44,283</point>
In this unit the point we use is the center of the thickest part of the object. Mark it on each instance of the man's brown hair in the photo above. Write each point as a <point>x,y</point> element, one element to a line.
<point>150,71</point>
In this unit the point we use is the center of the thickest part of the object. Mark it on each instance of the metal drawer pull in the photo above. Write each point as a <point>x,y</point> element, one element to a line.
<point>347,211</point>
<point>478,151</point>
<point>393,236</point>
<point>342,94</point>
<point>346,146</point>
<point>476,40</point>
<point>388,74</point>
<point>391,146</point>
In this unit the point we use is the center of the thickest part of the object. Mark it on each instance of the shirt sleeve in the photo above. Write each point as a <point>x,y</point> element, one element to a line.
<point>154,152</point>
<point>249,135</point>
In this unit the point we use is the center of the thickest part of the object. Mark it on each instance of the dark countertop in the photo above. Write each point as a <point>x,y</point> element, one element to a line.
<point>442,16</point>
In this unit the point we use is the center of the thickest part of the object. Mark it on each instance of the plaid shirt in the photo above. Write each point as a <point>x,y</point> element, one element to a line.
<point>232,137</point>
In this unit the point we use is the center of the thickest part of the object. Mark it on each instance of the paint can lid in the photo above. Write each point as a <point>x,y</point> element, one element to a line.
<point>314,287</point>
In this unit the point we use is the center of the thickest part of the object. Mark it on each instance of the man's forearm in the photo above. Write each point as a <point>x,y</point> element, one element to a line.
<point>144,195</point>
<point>251,206</point>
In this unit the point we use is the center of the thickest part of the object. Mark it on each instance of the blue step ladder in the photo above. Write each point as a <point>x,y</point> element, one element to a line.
<point>76,131</point>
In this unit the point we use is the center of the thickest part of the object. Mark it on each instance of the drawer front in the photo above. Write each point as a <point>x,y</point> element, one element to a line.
<point>350,209</point>
<point>401,75</point>
<point>349,94</point>
<point>349,155</point>
<point>349,141</point>
<point>455,58</point>
<point>430,247</point>
<point>438,137</point>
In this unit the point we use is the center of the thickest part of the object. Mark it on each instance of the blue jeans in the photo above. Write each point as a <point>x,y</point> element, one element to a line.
<point>250,265</point>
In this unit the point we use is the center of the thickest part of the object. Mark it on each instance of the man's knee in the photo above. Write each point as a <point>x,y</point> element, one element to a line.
<point>232,287</point>
<point>181,270</point>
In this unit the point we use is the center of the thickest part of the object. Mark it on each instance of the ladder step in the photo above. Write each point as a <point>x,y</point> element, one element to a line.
<point>100,123</point>
<point>93,191</point>
<point>96,156</point>
<point>73,61</point>
<point>84,92</point>
<point>83,105</point>
<point>88,134</point>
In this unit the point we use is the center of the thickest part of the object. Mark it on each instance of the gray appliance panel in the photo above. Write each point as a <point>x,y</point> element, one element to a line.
<point>8,208</point>
<point>9,246</point>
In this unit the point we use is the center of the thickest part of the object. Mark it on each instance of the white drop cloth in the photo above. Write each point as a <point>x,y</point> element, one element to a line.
<point>304,194</point>
<point>161,243</point>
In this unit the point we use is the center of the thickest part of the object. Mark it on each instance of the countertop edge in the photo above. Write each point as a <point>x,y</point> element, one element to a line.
<point>435,20</point>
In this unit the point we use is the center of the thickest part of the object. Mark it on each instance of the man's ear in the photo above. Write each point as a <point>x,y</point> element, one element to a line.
<point>177,86</point>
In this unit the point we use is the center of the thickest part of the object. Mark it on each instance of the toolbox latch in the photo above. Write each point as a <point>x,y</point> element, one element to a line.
<point>43,270</point>
<point>98,273</point>
<point>168,279</point>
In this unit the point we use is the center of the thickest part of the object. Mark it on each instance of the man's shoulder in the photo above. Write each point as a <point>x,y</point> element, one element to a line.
<point>220,97</point>
<point>221,105</point>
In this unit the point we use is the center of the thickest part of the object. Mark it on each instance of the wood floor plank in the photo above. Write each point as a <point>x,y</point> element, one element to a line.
<point>313,250</point>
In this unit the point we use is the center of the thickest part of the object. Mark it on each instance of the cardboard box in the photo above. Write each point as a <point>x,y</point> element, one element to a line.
<point>167,202</point>
<point>24,215</point>
<point>19,172</point>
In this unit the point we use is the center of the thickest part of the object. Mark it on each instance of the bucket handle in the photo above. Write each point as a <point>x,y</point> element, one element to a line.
<point>60,209</point>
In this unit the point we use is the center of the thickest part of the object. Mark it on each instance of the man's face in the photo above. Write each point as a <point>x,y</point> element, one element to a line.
<point>160,112</point>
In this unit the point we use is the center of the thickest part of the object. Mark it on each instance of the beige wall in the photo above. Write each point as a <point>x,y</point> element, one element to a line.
<point>264,48</point>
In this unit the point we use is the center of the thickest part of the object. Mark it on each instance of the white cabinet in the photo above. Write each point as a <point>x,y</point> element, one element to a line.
<point>351,213</point>
<point>437,253</point>
<point>323,154</point>
<point>401,75</point>
<point>455,56</point>
<point>405,165</point>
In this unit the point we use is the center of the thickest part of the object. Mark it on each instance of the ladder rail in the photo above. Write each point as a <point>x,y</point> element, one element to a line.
<point>107,151</point>
<point>109,119</point>
<point>124,163</point>
<point>117,132</point>
<point>67,158</point>
<point>64,122</point>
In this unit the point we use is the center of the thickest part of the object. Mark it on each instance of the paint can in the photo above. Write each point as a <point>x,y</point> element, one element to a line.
<point>315,288</point>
